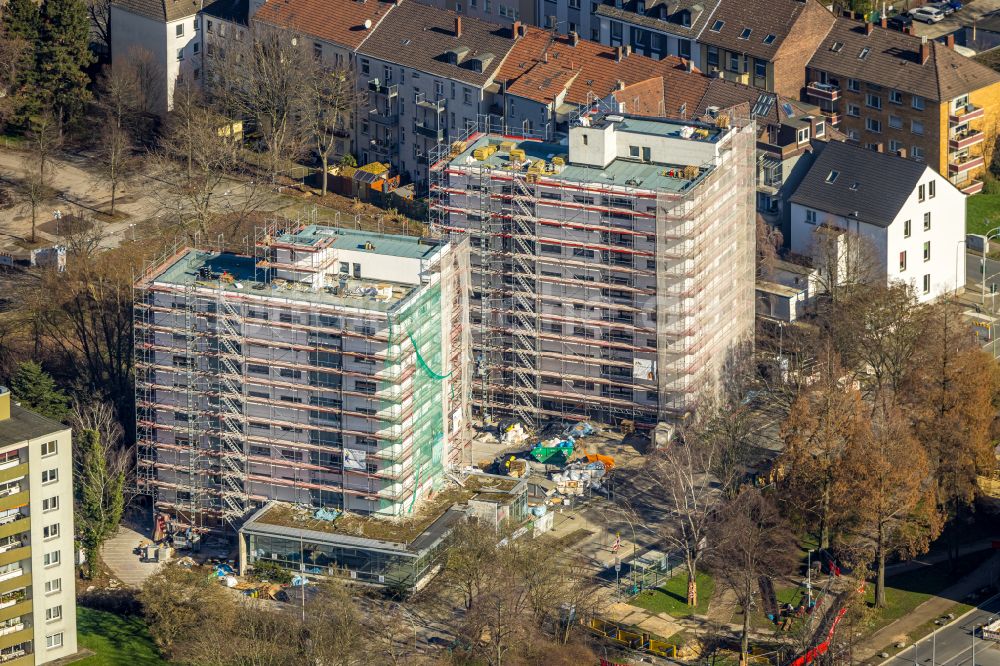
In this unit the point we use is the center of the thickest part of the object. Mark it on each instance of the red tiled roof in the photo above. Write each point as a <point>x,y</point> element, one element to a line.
<point>336,21</point>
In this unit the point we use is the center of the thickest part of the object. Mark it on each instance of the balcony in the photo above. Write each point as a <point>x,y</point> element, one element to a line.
<point>12,470</point>
<point>423,129</point>
<point>823,91</point>
<point>17,608</point>
<point>17,638</point>
<point>15,555</point>
<point>13,501</point>
<point>380,88</point>
<point>966,113</point>
<point>970,186</point>
<point>832,117</point>
<point>388,119</point>
<point>963,164</point>
<point>14,524</point>
<point>965,140</point>
<point>18,658</point>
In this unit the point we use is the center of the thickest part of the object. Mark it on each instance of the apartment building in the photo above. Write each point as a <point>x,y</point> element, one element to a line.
<point>611,280</point>
<point>37,578</point>
<point>910,219</point>
<point>897,93</point>
<point>326,369</point>
<point>764,43</point>
<point>162,34</point>
<point>429,75</point>
<point>653,28</point>
<point>503,12</point>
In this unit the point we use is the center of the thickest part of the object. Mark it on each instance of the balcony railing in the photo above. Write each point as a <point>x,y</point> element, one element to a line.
<point>973,186</point>
<point>965,140</point>
<point>966,113</point>
<point>825,91</point>
<point>380,88</point>
<point>7,575</point>
<point>435,133</point>
<point>962,164</point>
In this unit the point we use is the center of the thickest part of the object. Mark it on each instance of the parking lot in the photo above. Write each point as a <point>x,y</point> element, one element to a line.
<point>968,15</point>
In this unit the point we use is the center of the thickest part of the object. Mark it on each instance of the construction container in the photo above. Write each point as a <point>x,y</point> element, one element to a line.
<point>484,152</point>
<point>538,166</point>
<point>507,146</point>
<point>458,147</point>
<point>517,155</point>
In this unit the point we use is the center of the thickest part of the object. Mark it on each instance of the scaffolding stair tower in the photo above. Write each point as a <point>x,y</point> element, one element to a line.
<point>524,301</point>
<point>231,408</point>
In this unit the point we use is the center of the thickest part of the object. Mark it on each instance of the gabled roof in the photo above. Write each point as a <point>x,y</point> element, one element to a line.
<point>846,180</point>
<point>160,10</point>
<point>419,37</point>
<point>234,11</point>
<point>893,61</point>
<point>770,23</point>
<point>663,15</point>
<point>340,22</point>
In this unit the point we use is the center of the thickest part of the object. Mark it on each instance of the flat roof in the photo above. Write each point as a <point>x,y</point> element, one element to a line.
<point>621,172</point>
<point>410,533</point>
<point>24,424</point>
<point>390,245</point>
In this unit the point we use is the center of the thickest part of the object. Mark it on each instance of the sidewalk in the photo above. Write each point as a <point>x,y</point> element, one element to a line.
<point>928,611</point>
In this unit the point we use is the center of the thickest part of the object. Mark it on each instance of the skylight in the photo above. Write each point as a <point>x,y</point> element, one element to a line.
<point>832,178</point>
<point>864,53</point>
<point>746,33</point>
<point>855,186</point>
<point>717,26</point>
<point>769,39</point>
<point>787,108</point>
<point>837,46</point>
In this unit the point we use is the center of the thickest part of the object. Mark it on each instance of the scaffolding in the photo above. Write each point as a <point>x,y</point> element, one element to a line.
<point>659,283</point>
<point>251,386</point>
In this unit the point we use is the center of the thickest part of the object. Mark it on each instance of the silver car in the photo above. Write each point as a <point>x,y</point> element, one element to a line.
<point>927,14</point>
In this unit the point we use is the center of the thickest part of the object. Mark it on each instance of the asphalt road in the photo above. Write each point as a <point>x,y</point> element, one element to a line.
<point>954,644</point>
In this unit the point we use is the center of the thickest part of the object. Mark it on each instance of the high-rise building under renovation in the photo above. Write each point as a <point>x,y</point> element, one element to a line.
<point>327,368</point>
<point>612,273</point>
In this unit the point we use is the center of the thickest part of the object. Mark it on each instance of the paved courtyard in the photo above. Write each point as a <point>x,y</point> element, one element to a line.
<point>122,562</point>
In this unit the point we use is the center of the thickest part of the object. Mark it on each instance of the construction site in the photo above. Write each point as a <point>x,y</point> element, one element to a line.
<point>613,273</point>
<point>324,367</point>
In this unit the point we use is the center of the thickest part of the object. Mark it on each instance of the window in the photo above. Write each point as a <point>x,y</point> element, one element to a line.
<point>895,146</point>
<point>927,250</point>
<point>684,48</point>
<point>713,56</point>
<point>907,229</point>
<point>633,151</point>
<point>760,68</point>
<point>960,102</point>
<point>810,217</point>
<point>873,125</point>
<point>50,475</point>
<point>917,127</point>
<point>746,33</point>
<point>873,101</point>
<point>931,189</point>
<point>209,28</point>
<point>365,67</point>
<point>895,122</point>
<point>854,110</point>
<point>51,559</point>
<point>50,531</point>
<point>180,54</point>
<point>853,85</point>
<point>927,221</point>
<point>258,369</point>
<point>289,373</point>
<point>717,26</point>
<point>803,135</point>
<point>287,318</point>
<point>820,128</point>
<point>853,135</point>
<point>53,614</point>
<point>921,193</point>
<point>54,585</point>
<point>917,152</point>
<point>551,249</point>
<point>195,49</point>
<point>50,504</point>
<point>54,641</point>
<point>864,53</point>
<point>927,283</point>
<point>48,449</point>
<point>734,62</point>
<point>832,177</point>
<point>902,261</point>
<point>769,39</point>
<point>895,97</point>
<point>918,102</point>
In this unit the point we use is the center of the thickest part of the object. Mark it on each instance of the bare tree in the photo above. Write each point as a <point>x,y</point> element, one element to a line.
<point>751,541</point>
<point>116,158</point>
<point>469,559</point>
<point>330,99</point>
<point>100,21</point>
<point>265,78</point>
<point>844,261</point>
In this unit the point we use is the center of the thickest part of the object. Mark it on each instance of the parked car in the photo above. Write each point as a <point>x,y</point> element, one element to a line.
<point>900,21</point>
<point>927,14</point>
<point>943,7</point>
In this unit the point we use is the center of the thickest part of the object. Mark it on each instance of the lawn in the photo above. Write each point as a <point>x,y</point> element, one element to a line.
<point>908,590</point>
<point>671,597</point>
<point>982,213</point>
<point>115,640</point>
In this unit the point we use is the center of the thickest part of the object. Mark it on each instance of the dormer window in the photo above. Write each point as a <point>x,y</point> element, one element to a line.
<point>640,6</point>
<point>685,18</point>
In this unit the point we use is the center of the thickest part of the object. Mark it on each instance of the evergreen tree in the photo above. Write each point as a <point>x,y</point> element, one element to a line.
<point>61,56</point>
<point>21,20</point>
<point>101,495</point>
<point>36,390</point>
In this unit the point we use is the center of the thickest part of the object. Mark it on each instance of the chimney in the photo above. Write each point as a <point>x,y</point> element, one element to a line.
<point>869,27</point>
<point>515,29</point>
<point>574,38</point>
<point>851,14</point>
<point>689,65</point>
<point>524,30</point>
<point>619,85</point>
<point>950,41</point>
<point>880,147</point>
<point>885,23</point>
<point>458,26</point>
<point>619,51</point>
<point>925,50</point>
<point>901,153</point>
<point>627,50</point>
<point>907,30</point>
<point>545,55</point>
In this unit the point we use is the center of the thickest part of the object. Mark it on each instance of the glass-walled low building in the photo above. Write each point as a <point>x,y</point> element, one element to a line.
<point>374,550</point>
